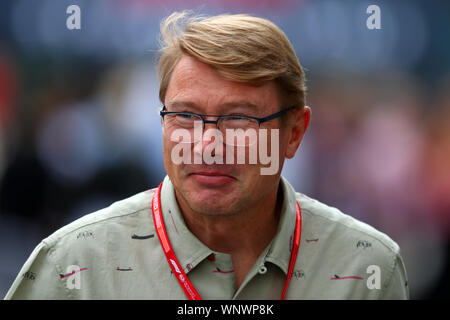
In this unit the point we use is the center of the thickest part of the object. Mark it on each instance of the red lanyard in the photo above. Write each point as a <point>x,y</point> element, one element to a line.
<point>177,270</point>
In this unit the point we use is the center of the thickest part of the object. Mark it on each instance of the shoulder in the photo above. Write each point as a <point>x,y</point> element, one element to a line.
<point>319,217</point>
<point>114,219</point>
<point>98,242</point>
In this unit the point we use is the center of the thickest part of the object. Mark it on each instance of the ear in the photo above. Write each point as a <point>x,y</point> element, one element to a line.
<point>297,129</point>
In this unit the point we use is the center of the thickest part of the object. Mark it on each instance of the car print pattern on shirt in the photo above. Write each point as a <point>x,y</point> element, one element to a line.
<point>29,275</point>
<point>364,244</point>
<point>336,277</point>
<point>124,269</point>
<point>85,235</point>
<point>62,276</point>
<point>298,274</point>
<point>136,237</point>
<point>220,271</point>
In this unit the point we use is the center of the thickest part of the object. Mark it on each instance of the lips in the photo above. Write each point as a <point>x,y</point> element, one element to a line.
<point>212,177</point>
<point>211,173</point>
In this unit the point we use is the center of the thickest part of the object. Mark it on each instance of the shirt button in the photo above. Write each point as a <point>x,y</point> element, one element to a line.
<point>262,269</point>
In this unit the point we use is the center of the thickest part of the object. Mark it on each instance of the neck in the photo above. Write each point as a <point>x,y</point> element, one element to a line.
<point>249,231</point>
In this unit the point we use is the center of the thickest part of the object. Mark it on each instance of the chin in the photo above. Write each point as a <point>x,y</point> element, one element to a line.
<point>213,205</point>
<point>214,211</point>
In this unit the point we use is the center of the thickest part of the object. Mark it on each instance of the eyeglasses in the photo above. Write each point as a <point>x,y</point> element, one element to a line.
<point>241,126</point>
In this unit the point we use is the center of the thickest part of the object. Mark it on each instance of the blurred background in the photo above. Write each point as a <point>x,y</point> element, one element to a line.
<point>79,124</point>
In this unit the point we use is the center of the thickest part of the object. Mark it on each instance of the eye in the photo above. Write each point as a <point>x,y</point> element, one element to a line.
<point>237,122</point>
<point>186,119</point>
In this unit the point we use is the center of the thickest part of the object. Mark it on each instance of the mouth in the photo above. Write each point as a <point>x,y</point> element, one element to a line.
<point>212,178</point>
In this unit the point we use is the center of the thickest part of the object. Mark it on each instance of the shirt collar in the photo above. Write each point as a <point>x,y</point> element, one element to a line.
<point>190,251</point>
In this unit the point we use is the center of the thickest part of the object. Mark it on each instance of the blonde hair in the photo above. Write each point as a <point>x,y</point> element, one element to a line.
<point>240,47</point>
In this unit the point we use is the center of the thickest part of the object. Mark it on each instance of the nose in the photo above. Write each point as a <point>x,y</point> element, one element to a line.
<point>211,140</point>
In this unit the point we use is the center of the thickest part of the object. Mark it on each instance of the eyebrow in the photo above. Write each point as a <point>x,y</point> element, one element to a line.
<point>179,104</point>
<point>241,104</point>
<point>233,104</point>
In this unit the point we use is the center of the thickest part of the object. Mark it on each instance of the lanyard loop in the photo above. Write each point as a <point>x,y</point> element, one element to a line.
<point>177,269</point>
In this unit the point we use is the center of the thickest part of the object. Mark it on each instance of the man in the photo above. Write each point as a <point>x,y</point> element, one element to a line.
<point>219,227</point>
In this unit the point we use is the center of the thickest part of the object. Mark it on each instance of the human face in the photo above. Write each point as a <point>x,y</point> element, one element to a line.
<point>220,189</point>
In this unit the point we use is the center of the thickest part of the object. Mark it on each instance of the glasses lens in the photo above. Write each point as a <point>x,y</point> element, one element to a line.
<point>181,120</point>
<point>188,128</point>
<point>180,126</point>
<point>239,131</point>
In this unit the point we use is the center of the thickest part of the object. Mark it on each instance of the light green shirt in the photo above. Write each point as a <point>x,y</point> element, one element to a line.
<point>117,255</point>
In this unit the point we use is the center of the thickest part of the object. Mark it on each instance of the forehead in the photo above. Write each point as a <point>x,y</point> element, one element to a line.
<point>199,84</point>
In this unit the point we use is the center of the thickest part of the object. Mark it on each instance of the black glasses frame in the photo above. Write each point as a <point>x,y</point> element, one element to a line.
<point>278,114</point>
